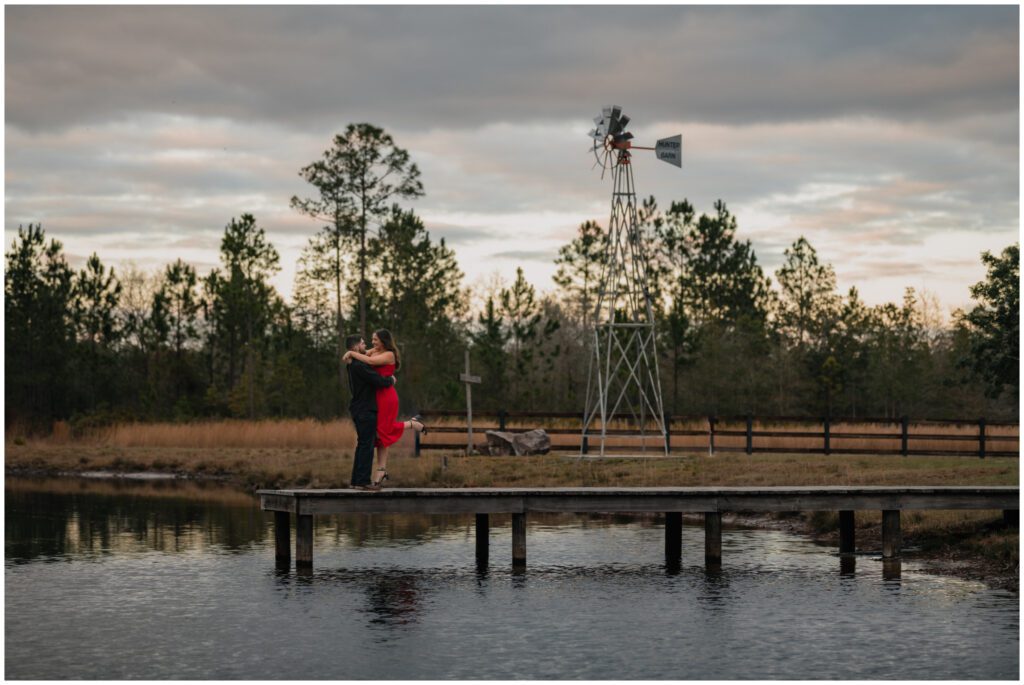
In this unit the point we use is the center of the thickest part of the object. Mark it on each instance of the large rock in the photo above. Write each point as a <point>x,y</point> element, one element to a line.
<point>503,443</point>
<point>499,443</point>
<point>532,442</point>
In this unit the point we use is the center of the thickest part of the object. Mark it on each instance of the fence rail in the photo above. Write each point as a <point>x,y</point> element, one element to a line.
<point>980,442</point>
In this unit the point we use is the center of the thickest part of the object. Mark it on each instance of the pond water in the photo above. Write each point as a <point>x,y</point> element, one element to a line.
<point>115,580</point>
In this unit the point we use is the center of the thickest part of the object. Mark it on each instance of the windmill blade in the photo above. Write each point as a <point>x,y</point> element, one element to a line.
<point>615,126</point>
<point>623,122</point>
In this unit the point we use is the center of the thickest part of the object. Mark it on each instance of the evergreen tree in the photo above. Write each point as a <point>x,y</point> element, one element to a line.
<point>580,265</point>
<point>182,303</point>
<point>96,296</point>
<point>38,330</point>
<point>529,334</point>
<point>995,323</point>
<point>357,178</point>
<point>808,299</point>
<point>898,350</point>
<point>489,340</point>
<point>241,305</point>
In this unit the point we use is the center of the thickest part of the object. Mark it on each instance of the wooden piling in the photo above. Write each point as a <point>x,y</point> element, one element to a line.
<point>713,538</point>
<point>518,539</point>
<point>282,537</point>
<point>892,569</point>
<point>483,534</point>
<point>673,537</point>
<point>847,535</point>
<point>892,539</point>
<point>304,540</point>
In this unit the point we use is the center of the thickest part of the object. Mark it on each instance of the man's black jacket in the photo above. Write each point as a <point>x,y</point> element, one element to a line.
<point>363,381</point>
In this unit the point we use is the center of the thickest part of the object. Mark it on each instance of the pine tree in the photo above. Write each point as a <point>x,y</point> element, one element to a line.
<point>580,265</point>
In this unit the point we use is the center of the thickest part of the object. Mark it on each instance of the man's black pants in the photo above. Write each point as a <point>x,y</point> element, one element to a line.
<point>366,432</point>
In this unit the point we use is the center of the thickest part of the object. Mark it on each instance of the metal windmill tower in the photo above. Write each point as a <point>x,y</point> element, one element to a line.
<point>624,385</point>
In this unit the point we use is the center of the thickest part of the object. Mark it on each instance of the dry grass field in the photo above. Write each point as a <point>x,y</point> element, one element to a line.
<point>340,434</point>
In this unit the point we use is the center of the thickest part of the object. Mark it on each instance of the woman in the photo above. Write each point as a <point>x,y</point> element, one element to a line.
<point>385,359</point>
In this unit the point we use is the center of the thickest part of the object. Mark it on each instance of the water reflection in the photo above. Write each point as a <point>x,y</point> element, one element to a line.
<point>50,517</point>
<point>714,589</point>
<point>393,600</point>
<point>892,569</point>
<point>148,567</point>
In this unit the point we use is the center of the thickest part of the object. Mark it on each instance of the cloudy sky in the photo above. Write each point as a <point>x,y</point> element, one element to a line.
<point>888,137</point>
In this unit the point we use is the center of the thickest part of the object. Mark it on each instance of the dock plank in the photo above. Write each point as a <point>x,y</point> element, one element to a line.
<point>662,499</point>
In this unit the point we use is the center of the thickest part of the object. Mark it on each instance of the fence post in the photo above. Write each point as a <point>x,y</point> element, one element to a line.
<point>586,445</point>
<point>903,435</point>
<point>711,434</point>
<point>828,436</point>
<point>501,420</point>
<point>416,443</point>
<point>981,438</point>
<point>750,434</point>
<point>668,431</point>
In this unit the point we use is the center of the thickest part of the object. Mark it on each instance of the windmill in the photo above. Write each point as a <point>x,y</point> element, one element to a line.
<point>623,384</point>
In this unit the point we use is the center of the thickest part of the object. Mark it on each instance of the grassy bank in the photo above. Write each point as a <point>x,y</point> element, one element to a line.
<point>319,467</point>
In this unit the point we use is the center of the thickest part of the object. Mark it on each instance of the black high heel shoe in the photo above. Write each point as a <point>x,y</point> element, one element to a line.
<point>379,483</point>
<point>419,419</point>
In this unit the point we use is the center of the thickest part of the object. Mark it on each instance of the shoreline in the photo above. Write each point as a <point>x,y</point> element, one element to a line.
<point>938,554</point>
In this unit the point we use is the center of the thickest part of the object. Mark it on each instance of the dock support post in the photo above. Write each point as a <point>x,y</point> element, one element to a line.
<point>304,540</point>
<point>1011,517</point>
<point>713,538</point>
<point>519,539</point>
<point>282,537</point>
<point>483,533</point>
<point>892,539</point>
<point>847,536</point>
<point>673,537</point>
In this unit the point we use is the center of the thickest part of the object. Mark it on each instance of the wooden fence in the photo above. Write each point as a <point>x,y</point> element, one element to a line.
<point>744,434</point>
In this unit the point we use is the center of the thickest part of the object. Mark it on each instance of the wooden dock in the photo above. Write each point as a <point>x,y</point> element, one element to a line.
<point>672,502</point>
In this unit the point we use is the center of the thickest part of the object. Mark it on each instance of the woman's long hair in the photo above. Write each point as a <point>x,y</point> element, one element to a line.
<point>388,341</point>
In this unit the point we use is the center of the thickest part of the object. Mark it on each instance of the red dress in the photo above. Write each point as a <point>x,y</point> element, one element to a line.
<point>389,428</point>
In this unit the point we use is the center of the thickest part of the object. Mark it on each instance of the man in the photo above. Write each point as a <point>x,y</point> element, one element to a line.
<point>363,382</point>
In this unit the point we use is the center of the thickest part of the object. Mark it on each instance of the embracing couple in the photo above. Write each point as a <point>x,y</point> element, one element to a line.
<point>374,406</point>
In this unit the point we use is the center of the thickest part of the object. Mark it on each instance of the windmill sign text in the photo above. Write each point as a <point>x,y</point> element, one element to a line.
<point>670,150</point>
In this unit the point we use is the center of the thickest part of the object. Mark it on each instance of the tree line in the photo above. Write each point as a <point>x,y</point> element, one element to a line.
<point>94,346</point>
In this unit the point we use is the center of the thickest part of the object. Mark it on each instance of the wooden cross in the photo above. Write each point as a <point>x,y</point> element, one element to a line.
<point>468,380</point>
